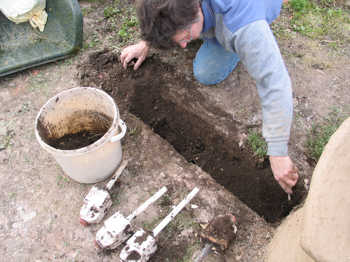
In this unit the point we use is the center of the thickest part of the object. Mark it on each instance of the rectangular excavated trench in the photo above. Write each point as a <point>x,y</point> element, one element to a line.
<point>203,134</point>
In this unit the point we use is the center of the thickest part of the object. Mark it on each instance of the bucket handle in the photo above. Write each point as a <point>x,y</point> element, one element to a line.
<point>122,126</point>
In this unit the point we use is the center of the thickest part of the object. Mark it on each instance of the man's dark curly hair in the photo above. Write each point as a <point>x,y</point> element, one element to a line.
<point>161,19</point>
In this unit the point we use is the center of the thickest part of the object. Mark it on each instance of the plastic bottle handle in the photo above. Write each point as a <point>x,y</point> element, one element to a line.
<point>122,126</point>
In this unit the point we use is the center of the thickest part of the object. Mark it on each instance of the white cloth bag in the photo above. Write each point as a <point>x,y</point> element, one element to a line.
<point>19,11</point>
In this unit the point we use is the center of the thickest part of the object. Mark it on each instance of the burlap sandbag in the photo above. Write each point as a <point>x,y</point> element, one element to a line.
<point>326,224</point>
<point>285,245</point>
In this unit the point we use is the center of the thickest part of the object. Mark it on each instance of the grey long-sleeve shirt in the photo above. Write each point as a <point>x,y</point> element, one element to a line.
<point>257,48</point>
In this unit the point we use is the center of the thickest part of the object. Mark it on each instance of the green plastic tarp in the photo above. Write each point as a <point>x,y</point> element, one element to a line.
<point>22,46</point>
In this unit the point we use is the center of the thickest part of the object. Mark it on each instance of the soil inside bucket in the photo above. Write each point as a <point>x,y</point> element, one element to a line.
<point>75,141</point>
<point>85,128</point>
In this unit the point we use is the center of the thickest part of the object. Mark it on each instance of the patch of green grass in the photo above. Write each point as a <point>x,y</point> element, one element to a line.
<point>257,143</point>
<point>86,10</point>
<point>321,133</point>
<point>62,181</point>
<point>115,198</point>
<point>134,131</point>
<point>300,5</point>
<point>94,1</point>
<point>111,11</point>
<point>185,220</point>
<point>322,21</point>
<point>122,20</point>
<point>6,135</point>
<point>149,226</point>
<point>68,61</point>
<point>92,41</point>
<point>166,201</point>
<point>38,81</point>
<point>127,28</point>
<point>13,195</point>
<point>328,3</point>
<point>26,159</point>
<point>281,31</point>
<point>25,107</point>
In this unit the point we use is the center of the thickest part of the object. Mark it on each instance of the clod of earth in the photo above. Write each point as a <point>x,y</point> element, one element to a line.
<point>221,230</point>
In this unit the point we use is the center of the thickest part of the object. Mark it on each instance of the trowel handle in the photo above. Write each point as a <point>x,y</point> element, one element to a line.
<point>149,201</point>
<point>121,134</point>
<point>174,212</point>
<point>117,174</point>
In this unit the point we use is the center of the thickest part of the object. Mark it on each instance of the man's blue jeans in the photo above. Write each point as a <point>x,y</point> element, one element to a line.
<point>213,63</point>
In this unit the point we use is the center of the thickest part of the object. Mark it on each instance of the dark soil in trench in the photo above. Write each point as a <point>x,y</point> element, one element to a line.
<point>145,93</point>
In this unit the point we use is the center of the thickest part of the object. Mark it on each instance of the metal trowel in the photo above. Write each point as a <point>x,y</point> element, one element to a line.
<point>142,245</point>
<point>98,200</point>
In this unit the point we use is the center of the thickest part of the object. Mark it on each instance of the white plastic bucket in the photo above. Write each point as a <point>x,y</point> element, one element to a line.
<point>75,110</point>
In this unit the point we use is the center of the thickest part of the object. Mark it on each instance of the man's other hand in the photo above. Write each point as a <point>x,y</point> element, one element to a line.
<point>139,51</point>
<point>285,172</point>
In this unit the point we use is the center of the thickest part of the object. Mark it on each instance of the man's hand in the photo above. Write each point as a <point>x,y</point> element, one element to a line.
<point>139,51</point>
<point>285,172</point>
